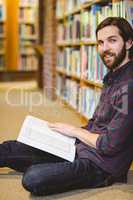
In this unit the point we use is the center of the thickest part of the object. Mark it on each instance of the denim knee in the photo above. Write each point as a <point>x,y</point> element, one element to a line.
<point>30,181</point>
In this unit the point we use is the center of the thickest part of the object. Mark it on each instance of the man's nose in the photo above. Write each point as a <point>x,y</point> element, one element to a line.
<point>105,46</point>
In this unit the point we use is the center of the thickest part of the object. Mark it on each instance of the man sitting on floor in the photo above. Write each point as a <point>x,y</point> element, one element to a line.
<point>104,148</point>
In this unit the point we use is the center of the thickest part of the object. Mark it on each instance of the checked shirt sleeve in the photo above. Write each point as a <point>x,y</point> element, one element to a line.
<point>120,129</point>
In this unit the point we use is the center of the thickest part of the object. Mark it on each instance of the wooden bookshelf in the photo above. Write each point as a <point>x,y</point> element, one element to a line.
<point>79,8</point>
<point>21,50</point>
<point>28,33</point>
<point>15,75</point>
<point>76,43</point>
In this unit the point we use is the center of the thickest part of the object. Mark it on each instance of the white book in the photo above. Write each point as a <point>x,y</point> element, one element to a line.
<point>36,133</point>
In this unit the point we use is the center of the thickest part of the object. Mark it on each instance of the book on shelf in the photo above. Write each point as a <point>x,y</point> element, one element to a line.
<point>88,100</point>
<point>59,85</point>
<point>75,62</point>
<point>71,92</point>
<point>85,25</point>
<point>26,3</point>
<point>84,62</point>
<point>69,6</point>
<point>60,33</point>
<point>2,12</point>
<point>27,15</point>
<point>129,11</point>
<point>60,8</point>
<point>27,30</point>
<point>28,62</point>
<point>36,133</point>
<point>76,27</point>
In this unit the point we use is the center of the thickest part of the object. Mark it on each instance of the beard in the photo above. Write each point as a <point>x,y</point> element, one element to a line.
<point>113,61</point>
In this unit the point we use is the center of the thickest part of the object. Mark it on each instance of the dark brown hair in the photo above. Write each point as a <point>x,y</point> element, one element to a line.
<point>125,29</point>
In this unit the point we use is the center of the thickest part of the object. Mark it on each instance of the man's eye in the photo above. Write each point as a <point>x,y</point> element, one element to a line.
<point>112,40</point>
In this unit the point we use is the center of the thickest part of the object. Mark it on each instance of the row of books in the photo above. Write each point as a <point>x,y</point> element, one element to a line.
<point>69,30</point>
<point>69,60</point>
<point>83,62</point>
<point>92,67</point>
<point>28,62</point>
<point>88,100</point>
<point>27,14</point>
<point>83,25</point>
<point>27,29</point>
<point>28,3</point>
<point>68,90</point>
<point>129,11</point>
<point>71,91</point>
<point>119,7</point>
<point>2,61</point>
<point>83,99</point>
<point>69,6</point>
<point>2,12</point>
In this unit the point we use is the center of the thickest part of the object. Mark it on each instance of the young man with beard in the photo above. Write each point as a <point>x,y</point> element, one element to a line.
<point>104,148</point>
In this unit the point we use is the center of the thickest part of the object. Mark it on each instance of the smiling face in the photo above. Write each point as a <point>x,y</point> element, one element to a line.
<point>111,47</point>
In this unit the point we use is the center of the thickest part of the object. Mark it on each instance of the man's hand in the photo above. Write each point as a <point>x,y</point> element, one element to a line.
<point>65,129</point>
<point>83,135</point>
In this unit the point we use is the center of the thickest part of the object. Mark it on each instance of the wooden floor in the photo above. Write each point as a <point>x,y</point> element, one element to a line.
<point>12,114</point>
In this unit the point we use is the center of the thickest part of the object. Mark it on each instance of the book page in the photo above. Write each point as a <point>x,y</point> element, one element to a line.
<point>36,133</point>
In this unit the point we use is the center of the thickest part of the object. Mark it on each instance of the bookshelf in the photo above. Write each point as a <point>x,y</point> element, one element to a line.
<point>19,40</point>
<point>79,70</point>
<point>28,34</point>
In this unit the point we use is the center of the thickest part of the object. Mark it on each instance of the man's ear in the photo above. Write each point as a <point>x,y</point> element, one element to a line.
<point>129,44</point>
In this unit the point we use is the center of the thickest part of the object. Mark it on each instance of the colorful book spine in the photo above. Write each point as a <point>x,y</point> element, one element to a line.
<point>128,7</point>
<point>88,100</point>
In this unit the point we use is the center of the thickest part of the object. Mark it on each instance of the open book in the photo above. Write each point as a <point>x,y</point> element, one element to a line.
<point>36,133</point>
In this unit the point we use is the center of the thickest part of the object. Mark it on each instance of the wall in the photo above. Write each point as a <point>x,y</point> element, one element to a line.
<point>49,48</point>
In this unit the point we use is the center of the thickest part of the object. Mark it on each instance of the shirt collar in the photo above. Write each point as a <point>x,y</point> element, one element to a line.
<point>111,76</point>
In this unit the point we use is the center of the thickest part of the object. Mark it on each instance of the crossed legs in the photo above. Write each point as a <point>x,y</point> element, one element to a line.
<point>45,173</point>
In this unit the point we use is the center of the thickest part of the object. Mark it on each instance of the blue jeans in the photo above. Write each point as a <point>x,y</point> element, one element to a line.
<point>47,174</point>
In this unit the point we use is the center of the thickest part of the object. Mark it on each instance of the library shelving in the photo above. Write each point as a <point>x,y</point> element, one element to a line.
<point>20,47</point>
<point>28,34</point>
<point>80,71</point>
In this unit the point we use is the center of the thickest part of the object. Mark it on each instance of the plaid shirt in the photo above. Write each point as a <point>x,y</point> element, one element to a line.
<point>113,120</point>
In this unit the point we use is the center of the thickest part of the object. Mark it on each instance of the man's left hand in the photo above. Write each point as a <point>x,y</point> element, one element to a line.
<point>65,129</point>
